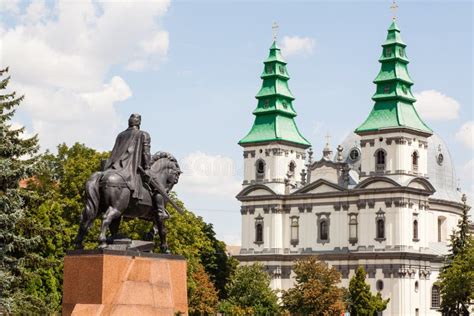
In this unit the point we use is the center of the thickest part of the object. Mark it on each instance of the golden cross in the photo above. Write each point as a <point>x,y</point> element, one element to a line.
<point>394,8</point>
<point>274,30</point>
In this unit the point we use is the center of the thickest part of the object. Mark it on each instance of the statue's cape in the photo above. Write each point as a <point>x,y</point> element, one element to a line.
<point>127,155</point>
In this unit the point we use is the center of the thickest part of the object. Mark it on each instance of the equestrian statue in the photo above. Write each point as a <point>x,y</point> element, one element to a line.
<point>133,183</point>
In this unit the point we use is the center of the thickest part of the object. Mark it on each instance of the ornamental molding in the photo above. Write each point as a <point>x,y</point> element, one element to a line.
<point>316,184</point>
<point>255,187</point>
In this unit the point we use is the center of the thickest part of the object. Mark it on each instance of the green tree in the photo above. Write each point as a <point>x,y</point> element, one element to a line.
<point>361,301</point>
<point>203,297</point>
<point>315,291</point>
<point>17,162</point>
<point>456,279</point>
<point>249,293</point>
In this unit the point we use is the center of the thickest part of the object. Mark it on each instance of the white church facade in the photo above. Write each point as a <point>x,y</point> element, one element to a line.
<point>385,199</point>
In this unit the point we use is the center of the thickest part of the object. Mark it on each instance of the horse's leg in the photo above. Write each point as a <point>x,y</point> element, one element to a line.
<point>162,231</point>
<point>84,226</point>
<point>117,202</point>
<point>110,215</point>
<point>114,227</point>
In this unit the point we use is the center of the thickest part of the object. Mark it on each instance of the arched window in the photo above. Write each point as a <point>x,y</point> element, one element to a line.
<point>380,229</point>
<point>380,160</point>
<point>435,297</point>
<point>414,160</point>
<point>415,230</point>
<point>292,167</point>
<point>353,229</point>
<point>294,231</point>
<point>379,285</point>
<point>260,169</point>
<point>441,228</point>
<point>323,230</point>
<point>259,230</point>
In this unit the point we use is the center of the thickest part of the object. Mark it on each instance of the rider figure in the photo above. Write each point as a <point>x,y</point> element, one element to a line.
<point>131,153</point>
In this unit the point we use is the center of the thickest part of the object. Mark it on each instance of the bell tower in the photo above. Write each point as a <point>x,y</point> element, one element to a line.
<point>394,137</point>
<point>274,149</point>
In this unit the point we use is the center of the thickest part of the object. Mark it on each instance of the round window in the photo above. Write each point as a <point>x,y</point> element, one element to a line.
<point>354,154</point>
<point>440,159</point>
<point>379,285</point>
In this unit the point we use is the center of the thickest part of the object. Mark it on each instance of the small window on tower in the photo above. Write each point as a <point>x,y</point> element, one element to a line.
<point>269,69</point>
<point>354,155</point>
<point>260,169</point>
<point>284,104</point>
<point>386,89</point>
<point>266,103</point>
<point>414,158</point>
<point>380,161</point>
<point>388,52</point>
<point>401,52</point>
<point>404,89</point>
<point>259,230</point>
<point>282,69</point>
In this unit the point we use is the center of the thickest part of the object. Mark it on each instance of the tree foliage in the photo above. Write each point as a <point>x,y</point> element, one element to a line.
<point>456,279</point>
<point>17,162</point>
<point>203,299</point>
<point>361,301</point>
<point>249,293</point>
<point>315,291</point>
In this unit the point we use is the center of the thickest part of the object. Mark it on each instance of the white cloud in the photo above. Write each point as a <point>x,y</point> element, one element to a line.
<point>465,134</point>
<point>61,54</point>
<point>296,45</point>
<point>435,106</point>
<point>209,175</point>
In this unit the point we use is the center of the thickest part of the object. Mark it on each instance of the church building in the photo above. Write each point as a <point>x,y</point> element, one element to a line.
<point>386,198</point>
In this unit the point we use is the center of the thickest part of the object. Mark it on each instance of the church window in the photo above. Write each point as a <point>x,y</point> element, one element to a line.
<point>416,286</point>
<point>353,229</point>
<point>401,52</point>
<point>323,230</point>
<point>284,104</point>
<point>282,69</point>
<point>269,69</point>
<point>260,169</point>
<point>323,227</point>
<point>259,230</point>
<point>414,160</point>
<point>386,89</point>
<point>441,228</point>
<point>380,229</point>
<point>379,285</point>
<point>415,230</point>
<point>379,160</point>
<point>266,103</point>
<point>380,225</point>
<point>354,154</point>
<point>388,52</point>
<point>294,231</point>
<point>435,297</point>
<point>440,159</point>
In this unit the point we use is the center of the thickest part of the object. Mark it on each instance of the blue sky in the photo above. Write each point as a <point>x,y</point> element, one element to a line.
<point>192,70</point>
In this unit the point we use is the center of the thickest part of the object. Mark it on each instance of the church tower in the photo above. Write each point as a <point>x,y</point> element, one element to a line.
<point>394,138</point>
<point>274,149</point>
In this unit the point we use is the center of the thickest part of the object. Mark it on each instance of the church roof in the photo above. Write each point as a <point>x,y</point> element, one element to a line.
<point>393,97</point>
<point>274,115</point>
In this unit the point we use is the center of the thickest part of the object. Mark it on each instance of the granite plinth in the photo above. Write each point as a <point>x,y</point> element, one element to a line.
<point>112,282</point>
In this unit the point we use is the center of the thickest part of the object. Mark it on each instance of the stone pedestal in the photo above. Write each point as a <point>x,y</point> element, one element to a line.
<point>111,282</point>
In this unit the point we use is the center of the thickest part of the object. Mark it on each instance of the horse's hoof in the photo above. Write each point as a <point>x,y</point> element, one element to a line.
<point>103,245</point>
<point>165,250</point>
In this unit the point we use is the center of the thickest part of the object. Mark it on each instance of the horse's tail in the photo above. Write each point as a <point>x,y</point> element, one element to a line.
<point>92,197</point>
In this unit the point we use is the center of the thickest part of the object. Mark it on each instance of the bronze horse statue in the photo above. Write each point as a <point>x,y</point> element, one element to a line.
<point>108,193</point>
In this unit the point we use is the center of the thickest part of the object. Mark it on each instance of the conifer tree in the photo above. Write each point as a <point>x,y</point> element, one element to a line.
<point>361,300</point>
<point>17,158</point>
<point>457,276</point>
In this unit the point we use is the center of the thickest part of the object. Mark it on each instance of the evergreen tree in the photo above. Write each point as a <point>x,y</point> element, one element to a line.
<point>17,160</point>
<point>361,300</point>
<point>457,276</point>
<point>316,291</point>
<point>249,293</point>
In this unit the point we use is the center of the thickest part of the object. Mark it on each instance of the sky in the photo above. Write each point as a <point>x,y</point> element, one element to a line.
<point>191,69</point>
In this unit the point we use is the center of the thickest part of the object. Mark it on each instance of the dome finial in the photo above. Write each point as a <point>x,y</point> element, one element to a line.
<point>394,8</point>
<point>275,31</point>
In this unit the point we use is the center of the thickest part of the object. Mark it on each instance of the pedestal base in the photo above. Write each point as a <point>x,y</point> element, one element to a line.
<point>111,282</point>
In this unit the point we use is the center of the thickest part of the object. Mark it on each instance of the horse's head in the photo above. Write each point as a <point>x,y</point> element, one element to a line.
<point>165,169</point>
